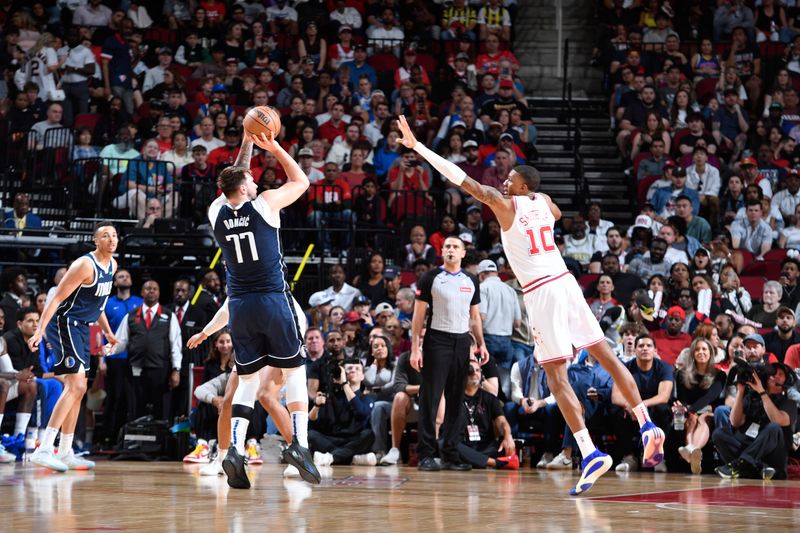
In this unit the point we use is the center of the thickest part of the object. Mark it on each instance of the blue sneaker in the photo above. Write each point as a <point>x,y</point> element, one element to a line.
<point>653,445</point>
<point>592,468</point>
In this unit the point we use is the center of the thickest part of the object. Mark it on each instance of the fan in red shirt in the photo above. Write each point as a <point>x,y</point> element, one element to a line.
<point>335,126</point>
<point>672,340</point>
<point>407,180</point>
<point>330,200</point>
<point>224,156</point>
<point>490,61</point>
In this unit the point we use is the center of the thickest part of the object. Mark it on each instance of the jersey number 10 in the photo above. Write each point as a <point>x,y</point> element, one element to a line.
<point>545,245</point>
<point>237,238</point>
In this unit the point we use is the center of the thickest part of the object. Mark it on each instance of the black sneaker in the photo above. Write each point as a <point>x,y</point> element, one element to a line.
<point>429,464</point>
<point>301,459</point>
<point>457,467</point>
<point>728,471</point>
<point>233,465</point>
<point>767,473</point>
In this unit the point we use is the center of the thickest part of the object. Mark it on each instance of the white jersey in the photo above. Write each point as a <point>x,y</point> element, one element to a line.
<point>529,244</point>
<point>36,71</point>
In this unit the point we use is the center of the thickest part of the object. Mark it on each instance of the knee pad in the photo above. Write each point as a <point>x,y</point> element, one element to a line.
<point>296,388</point>
<point>246,391</point>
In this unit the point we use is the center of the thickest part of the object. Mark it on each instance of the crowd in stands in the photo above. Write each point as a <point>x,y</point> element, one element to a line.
<point>683,295</point>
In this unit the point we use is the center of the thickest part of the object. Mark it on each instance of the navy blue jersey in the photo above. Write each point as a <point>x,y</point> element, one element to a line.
<point>87,301</point>
<point>250,240</point>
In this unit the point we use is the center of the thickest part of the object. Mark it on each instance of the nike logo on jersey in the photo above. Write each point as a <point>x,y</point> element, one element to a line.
<point>240,222</point>
<point>103,289</point>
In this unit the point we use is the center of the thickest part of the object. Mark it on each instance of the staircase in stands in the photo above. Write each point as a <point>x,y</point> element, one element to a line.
<point>601,162</point>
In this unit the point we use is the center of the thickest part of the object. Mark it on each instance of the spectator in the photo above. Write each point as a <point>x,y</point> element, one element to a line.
<point>20,216</point>
<point>494,19</point>
<point>384,36</point>
<point>145,178</point>
<point>282,18</point>
<point>696,134</point>
<point>705,180</point>
<point>671,340</point>
<point>790,271</point>
<point>78,66</point>
<point>744,57</point>
<point>378,382</point>
<point>788,199</point>
<point>604,297</point>
<point>58,136</point>
<point>730,16</point>
<point>654,165</point>
<point>730,125</point>
<point>406,181</point>
<point>579,245</point>
<point>770,21</point>
<point>766,411</point>
<point>664,200</point>
<point>458,20</point>
<point>500,313</point>
<point>635,115</point>
<point>655,382</point>
<point>92,14</point>
<point>16,357</point>
<point>753,176</point>
<point>696,227</point>
<point>494,61</point>
<point>339,153</point>
<point>335,127</point>
<point>330,201</point>
<point>417,248</point>
<point>652,262</point>
<point>405,386</point>
<point>155,75</point>
<point>785,335</point>
<point>699,386</point>
<point>116,66</point>
<point>14,283</point>
<point>752,234</point>
<point>341,293</point>
<point>766,313</point>
<point>225,156</point>
<point>346,16</point>
<point>359,66</point>
<point>206,137</point>
<point>339,433</point>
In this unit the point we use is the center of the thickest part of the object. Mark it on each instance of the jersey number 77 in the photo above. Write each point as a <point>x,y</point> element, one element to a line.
<point>237,238</point>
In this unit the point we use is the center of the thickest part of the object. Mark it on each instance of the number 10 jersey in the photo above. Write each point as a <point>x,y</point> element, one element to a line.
<point>249,235</point>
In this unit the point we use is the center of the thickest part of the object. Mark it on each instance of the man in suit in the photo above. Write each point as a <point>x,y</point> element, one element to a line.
<point>209,299</point>
<point>191,319</point>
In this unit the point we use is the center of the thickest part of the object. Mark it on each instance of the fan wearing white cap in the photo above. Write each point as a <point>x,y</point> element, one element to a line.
<point>305,156</point>
<point>561,321</point>
<point>500,312</point>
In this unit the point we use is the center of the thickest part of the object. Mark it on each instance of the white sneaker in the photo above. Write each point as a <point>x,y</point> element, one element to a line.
<point>696,460</point>
<point>6,457</point>
<point>214,468</point>
<point>199,454</point>
<point>685,453</point>
<point>391,458</point>
<point>627,464</point>
<point>561,462</point>
<point>366,459</point>
<point>48,459</point>
<point>323,459</point>
<point>546,458</point>
<point>661,468</point>
<point>291,471</point>
<point>76,463</point>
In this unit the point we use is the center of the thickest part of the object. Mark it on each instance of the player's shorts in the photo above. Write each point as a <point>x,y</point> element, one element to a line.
<point>13,390</point>
<point>560,319</point>
<point>267,330</point>
<point>70,342</point>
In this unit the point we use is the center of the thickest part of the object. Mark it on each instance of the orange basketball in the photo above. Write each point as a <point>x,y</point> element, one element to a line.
<point>262,119</point>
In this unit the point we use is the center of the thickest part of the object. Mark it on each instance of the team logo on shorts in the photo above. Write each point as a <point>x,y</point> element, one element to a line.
<point>69,362</point>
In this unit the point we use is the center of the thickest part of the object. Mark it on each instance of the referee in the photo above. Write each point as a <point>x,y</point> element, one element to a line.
<point>449,298</point>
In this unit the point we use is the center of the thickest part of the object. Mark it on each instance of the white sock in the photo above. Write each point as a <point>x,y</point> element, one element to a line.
<point>300,427</point>
<point>49,439</point>
<point>221,453</point>
<point>65,445</point>
<point>41,432</point>
<point>21,423</point>
<point>585,442</point>
<point>642,415</point>
<point>690,447</point>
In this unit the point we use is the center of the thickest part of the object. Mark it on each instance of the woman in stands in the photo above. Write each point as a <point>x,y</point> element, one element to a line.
<point>734,349</point>
<point>766,312</point>
<point>370,282</point>
<point>335,318</point>
<point>699,386</point>
<point>730,80</point>
<point>790,235</point>
<point>489,239</point>
<point>220,355</point>
<point>706,64</point>
<point>179,155</point>
<point>379,366</point>
<point>678,278</point>
<point>313,46</point>
<point>732,200</point>
<point>447,228</point>
<point>653,129</point>
<point>221,122</point>
<point>682,105</point>
<point>451,148</point>
<point>732,295</point>
<point>782,82</point>
<point>603,298</point>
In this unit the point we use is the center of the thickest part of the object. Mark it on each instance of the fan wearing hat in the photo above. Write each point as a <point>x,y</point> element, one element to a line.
<point>155,75</point>
<point>507,141</point>
<point>671,340</point>
<point>664,199</point>
<point>226,155</point>
<point>697,132</point>
<point>752,175</point>
<point>505,100</point>
<point>305,157</point>
<point>473,223</point>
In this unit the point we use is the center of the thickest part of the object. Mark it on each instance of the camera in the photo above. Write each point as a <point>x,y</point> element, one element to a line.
<point>743,371</point>
<point>413,163</point>
<point>333,369</point>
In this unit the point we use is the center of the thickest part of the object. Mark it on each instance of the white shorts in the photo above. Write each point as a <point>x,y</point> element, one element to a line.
<point>560,319</point>
<point>13,390</point>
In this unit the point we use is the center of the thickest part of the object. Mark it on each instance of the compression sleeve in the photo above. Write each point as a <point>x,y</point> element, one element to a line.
<point>443,166</point>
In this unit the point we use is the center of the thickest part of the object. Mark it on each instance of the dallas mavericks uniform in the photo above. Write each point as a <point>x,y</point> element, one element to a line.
<point>263,320</point>
<point>560,319</point>
<point>68,331</point>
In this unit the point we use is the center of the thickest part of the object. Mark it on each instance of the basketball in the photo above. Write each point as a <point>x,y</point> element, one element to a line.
<point>262,119</point>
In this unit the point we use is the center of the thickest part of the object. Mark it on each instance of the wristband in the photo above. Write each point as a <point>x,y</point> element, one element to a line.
<point>763,393</point>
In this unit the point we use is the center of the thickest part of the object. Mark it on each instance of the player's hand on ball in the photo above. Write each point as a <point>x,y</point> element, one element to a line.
<point>408,140</point>
<point>196,340</point>
<point>265,142</point>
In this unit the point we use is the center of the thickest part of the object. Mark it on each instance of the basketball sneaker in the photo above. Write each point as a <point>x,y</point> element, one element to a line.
<point>6,457</point>
<point>301,458</point>
<point>253,451</point>
<point>48,459</point>
<point>74,462</point>
<point>546,458</point>
<point>199,454</point>
<point>391,458</point>
<point>627,464</point>
<point>592,467</point>
<point>233,465</point>
<point>653,444</point>
<point>214,468</point>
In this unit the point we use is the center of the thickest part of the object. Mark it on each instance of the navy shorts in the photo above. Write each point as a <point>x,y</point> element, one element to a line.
<point>70,342</point>
<point>266,330</point>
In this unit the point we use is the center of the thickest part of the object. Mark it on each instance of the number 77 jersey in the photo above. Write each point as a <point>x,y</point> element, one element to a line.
<point>249,236</point>
<point>529,243</point>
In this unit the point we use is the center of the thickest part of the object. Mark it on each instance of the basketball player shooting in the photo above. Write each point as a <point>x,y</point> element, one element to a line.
<point>561,321</point>
<point>264,325</point>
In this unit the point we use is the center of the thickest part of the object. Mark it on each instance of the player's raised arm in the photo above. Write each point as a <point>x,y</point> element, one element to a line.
<point>245,153</point>
<point>296,180</point>
<point>487,195</point>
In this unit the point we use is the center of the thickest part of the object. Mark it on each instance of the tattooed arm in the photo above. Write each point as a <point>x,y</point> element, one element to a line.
<point>245,153</point>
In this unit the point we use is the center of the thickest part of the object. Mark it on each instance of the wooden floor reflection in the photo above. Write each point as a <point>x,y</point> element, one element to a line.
<point>170,497</point>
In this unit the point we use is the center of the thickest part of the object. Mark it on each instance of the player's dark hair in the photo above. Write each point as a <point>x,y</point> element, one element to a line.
<point>231,179</point>
<point>103,224</point>
<point>529,175</point>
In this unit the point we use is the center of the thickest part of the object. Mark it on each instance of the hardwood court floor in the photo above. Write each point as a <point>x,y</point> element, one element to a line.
<point>171,497</point>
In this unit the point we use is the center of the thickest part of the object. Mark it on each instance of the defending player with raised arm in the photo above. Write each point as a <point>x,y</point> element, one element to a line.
<point>264,316</point>
<point>561,321</point>
<point>79,300</point>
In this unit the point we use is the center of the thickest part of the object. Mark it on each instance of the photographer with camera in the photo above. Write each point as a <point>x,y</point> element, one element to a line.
<point>762,421</point>
<point>340,432</point>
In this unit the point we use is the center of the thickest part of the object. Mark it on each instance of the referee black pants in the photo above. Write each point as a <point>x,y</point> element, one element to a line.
<point>445,359</point>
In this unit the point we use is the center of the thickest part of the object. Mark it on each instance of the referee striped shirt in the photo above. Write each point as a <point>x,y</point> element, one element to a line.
<point>449,297</point>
